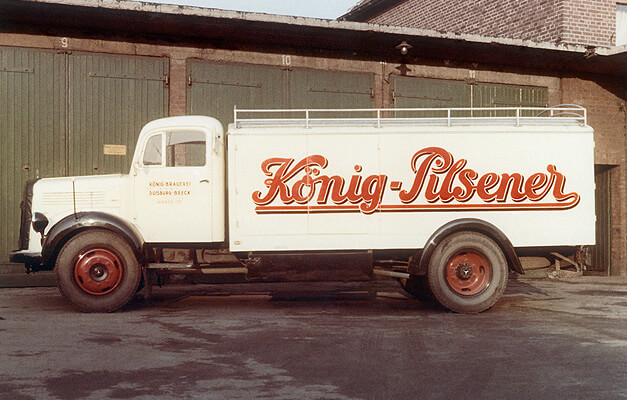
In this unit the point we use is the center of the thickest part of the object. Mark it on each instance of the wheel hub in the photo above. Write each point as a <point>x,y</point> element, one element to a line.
<point>468,272</point>
<point>464,271</point>
<point>98,271</point>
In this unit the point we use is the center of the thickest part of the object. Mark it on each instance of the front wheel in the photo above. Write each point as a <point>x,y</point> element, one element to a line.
<point>97,271</point>
<point>467,272</point>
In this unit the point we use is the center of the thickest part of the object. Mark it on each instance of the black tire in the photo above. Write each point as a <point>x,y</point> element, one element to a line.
<point>417,286</point>
<point>97,271</point>
<point>467,272</point>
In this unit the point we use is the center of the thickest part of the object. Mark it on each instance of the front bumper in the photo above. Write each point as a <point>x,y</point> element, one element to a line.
<point>32,261</point>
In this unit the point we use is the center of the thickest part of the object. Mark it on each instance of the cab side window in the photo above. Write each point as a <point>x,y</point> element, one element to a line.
<point>185,149</point>
<point>152,153</point>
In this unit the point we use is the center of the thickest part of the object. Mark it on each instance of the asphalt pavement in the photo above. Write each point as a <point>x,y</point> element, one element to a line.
<point>545,339</point>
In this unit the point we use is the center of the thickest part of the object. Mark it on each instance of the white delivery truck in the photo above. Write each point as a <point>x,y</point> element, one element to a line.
<point>444,200</point>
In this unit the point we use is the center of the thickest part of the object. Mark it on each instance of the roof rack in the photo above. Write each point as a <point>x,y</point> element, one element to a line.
<point>378,117</point>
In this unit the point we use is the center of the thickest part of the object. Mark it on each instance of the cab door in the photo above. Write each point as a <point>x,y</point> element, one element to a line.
<point>173,186</point>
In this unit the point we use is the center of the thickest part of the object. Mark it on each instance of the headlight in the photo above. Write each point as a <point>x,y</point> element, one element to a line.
<point>40,222</point>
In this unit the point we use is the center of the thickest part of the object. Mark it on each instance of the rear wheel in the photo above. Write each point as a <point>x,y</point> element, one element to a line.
<point>97,271</point>
<point>467,272</point>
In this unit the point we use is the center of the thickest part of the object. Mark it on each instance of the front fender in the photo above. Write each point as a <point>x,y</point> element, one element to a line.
<point>69,226</point>
<point>467,224</point>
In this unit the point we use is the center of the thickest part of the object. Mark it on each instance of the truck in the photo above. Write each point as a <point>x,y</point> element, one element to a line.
<point>445,201</point>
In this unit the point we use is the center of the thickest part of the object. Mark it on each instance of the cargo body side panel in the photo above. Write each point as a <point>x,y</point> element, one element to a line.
<point>391,187</point>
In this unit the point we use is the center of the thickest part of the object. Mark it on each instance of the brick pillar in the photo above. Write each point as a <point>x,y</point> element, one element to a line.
<point>178,86</point>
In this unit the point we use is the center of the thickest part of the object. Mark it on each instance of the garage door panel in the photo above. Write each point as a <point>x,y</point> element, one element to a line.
<point>414,92</point>
<point>216,87</point>
<point>411,92</point>
<point>330,89</point>
<point>32,126</point>
<point>111,98</point>
<point>495,95</point>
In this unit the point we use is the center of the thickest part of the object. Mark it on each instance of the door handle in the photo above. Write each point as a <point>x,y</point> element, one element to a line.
<point>204,180</point>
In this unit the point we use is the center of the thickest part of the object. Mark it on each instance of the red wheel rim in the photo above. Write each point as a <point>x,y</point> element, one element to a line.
<point>98,271</point>
<point>468,273</point>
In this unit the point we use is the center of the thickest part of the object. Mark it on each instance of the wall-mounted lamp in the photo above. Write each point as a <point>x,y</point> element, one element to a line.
<point>404,47</point>
<point>590,52</point>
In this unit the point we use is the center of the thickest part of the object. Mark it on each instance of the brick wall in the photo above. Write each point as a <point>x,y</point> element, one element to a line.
<point>591,22</point>
<point>587,22</point>
<point>178,85</point>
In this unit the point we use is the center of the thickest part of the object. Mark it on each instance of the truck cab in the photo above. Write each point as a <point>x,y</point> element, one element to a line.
<point>177,181</point>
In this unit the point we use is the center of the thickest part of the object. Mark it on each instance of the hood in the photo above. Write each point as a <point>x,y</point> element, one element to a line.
<point>80,193</point>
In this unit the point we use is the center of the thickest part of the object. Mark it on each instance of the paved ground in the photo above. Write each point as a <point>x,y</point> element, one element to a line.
<point>546,339</point>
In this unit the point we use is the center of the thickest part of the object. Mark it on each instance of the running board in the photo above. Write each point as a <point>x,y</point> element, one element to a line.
<point>170,266</point>
<point>234,270</point>
<point>191,267</point>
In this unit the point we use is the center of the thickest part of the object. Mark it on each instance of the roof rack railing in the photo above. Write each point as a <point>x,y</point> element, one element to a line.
<point>563,113</point>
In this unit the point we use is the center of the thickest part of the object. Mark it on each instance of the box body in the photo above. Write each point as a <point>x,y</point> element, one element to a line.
<point>391,187</point>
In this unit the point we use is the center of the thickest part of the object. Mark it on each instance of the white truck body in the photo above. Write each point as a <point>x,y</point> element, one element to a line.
<point>383,157</point>
<point>483,181</point>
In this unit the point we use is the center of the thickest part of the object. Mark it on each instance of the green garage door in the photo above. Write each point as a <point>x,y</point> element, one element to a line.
<point>110,98</point>
<point>32,132</point>
<point>408,92</point>
<point>57,111</point>
<point>492,95</point>
<point>214,88</point>
<point>330,89</point>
